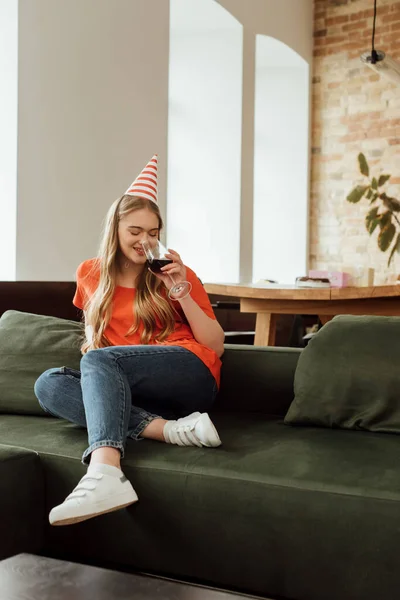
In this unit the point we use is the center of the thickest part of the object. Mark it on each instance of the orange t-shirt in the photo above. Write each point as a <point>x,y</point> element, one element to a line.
<point>87,280</point>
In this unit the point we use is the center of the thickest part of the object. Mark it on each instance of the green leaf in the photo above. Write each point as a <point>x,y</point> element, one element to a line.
<point>362,161</point>
<point>371,221</point>
<point>383,179</point>
<point>374,184</point>
<point>374,197</point>
<point>385,219</point>
<point>395,248</point>
<point>356,194</point>
<point>390,203</point>
<point>374,224</point>
<point>393,204</point>
<point>369,194</point>
<point>386,236</point>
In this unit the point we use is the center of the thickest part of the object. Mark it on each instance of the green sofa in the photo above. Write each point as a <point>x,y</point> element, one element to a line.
<point>302,513</point>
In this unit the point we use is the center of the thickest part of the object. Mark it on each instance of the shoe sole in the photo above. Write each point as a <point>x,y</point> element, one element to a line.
<point>80,518</point>
<point>213,440</point>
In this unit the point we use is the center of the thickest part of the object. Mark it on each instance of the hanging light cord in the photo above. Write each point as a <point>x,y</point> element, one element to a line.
<point>374,54</point>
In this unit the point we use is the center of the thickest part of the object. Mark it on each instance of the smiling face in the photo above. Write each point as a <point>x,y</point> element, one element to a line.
<point>135,227</point>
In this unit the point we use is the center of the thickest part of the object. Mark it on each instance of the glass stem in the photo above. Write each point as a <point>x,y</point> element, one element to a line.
<point>172,279</point>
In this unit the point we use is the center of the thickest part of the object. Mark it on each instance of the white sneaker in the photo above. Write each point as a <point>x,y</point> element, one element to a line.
<point>195,430</point>
<point>103,489</point>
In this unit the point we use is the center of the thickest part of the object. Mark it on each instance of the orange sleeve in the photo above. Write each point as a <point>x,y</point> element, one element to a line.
<point>78,298</point>
<point>84,284</point>
<point>199,294</point>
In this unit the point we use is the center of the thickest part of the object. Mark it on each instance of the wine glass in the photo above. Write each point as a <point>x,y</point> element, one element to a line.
<point>155,253</point>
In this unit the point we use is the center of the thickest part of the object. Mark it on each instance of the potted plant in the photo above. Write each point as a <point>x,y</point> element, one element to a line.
<point>384,211</point>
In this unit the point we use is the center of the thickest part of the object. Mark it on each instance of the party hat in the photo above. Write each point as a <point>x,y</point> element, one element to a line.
<point>145,185</point>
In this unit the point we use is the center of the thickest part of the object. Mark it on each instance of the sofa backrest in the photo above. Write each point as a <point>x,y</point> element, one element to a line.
<point>29,345</point>
<point>256,379</point>
<point>253,379</point>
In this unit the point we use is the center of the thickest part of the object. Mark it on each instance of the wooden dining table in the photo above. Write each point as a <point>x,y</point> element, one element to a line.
<point>270,300</point>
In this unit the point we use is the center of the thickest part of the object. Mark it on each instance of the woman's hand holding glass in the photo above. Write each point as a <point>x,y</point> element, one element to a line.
<point>167,265</point>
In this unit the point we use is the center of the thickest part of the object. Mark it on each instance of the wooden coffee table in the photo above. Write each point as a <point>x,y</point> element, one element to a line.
<point>29,577</point>
<point>269,300</point>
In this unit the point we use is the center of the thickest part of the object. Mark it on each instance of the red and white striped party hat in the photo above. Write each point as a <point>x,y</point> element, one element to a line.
<point>145,185</point>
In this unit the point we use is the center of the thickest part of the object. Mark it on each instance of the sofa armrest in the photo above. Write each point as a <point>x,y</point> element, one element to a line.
<point>257,379</point>
<point>21,501</point>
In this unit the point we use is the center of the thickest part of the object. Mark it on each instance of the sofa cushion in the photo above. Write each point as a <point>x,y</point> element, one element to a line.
<point>22,501</point>
<point>277,511</point>
<point>30,344</point>
<point>253,449</point>
<point>348,376</point>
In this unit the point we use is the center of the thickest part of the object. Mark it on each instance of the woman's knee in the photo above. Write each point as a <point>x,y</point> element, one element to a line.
<point>46,386</point>
<point>94,358</point>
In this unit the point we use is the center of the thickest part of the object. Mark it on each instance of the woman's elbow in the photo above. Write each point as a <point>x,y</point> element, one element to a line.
<point>217,346</point>
<point>215,341</point>
<point>219,349</point>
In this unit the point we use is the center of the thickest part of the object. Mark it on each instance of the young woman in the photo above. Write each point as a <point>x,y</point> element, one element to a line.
<point>150,365</point>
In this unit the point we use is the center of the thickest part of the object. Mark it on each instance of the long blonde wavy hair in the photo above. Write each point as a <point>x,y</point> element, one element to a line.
<point>151,300</point>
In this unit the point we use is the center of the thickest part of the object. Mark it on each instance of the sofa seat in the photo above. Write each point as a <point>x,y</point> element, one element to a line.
<point>21,501</point>
<point>280,504</point>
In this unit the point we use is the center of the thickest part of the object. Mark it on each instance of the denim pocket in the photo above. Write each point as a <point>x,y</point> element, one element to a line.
<point>73,373</point>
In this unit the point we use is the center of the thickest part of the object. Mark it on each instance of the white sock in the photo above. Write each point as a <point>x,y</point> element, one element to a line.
<point>106,469</point>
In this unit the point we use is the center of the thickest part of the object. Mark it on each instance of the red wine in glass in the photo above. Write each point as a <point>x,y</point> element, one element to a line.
<point>158,263</point>
<point>155,253</point>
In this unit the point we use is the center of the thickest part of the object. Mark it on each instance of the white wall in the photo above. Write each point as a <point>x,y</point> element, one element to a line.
<point>280,240</point>
<point>290,21</point>
<point>204,142</point>
<point>93,109</point>
<point>8,136</point>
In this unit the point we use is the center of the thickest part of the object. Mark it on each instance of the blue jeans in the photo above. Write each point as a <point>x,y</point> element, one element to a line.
<point>121,389</point>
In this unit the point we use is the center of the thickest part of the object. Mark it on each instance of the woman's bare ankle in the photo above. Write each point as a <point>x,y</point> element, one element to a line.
<point>154,430</point>
<point>106,456</point>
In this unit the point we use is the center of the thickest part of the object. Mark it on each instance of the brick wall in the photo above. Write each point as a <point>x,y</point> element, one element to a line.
<point>353,110</point>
